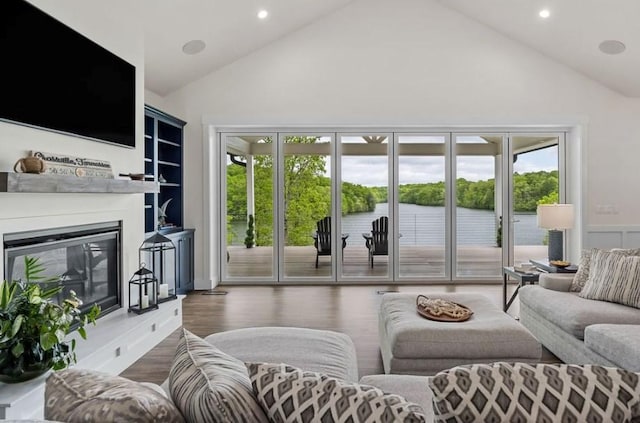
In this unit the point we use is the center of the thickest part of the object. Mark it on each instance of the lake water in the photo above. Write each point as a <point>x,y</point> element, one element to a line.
<point>424,225</point>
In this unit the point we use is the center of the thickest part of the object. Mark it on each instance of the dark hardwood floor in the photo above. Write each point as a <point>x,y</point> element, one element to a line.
<point>349,309</point>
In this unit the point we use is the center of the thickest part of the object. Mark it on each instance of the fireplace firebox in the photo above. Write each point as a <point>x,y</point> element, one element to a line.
<point>85,259</point>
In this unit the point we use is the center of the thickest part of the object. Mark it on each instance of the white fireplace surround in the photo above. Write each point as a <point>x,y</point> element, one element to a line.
<point>130,336</point>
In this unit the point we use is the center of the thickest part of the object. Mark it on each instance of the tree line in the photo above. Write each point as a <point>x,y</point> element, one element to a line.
<point>529,190</point>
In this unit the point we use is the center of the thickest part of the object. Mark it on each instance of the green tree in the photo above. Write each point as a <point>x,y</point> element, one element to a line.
<point>307,197</point>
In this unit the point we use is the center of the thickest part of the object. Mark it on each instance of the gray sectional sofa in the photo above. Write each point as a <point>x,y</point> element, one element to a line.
<point>578,330</point>
<point>208,387</point>
<point>323,351</point>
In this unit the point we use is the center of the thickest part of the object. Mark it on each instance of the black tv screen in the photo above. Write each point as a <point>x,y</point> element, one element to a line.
<point>54,78</point>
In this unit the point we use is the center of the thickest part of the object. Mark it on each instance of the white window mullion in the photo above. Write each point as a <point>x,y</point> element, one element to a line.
<point>336,206</point>
<point>278,207</point>
<point>450,211</point>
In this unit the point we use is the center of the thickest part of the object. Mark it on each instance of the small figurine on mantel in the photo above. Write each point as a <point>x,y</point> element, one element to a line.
<point>162,214</point>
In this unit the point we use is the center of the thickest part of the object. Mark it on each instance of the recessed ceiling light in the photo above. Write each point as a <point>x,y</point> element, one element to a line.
<point>612,47</point>
<point>544,13</point>
<point>263,14</point>
<point>193,47</point>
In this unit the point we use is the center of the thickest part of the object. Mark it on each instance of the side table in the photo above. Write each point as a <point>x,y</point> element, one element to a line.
<point>522,278</point>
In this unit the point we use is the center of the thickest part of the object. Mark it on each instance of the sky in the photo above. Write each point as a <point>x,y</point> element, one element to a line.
<point>372,170</point>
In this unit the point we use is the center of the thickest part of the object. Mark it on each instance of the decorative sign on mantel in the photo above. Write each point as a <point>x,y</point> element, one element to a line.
<point>58,164</point>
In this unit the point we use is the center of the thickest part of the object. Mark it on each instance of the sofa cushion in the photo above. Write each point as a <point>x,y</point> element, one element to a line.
<point>289,394</point>
<point>321,351</point>
<point>79,395</point>
<point>614,277</point>
<point>535,392</point>
<point>572,313</point>
<point>617,343</point>
<point>208,385</point>
<point>412,388</point>
<point>556,281</point>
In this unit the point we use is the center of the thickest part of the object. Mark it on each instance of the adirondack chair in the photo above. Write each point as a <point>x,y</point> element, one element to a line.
<point>378,242</point>
<point>322,238</point>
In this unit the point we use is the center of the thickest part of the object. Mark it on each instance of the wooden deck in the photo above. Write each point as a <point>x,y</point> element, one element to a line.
<point>415,261</point>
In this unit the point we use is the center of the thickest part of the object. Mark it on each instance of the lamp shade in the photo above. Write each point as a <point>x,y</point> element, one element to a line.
<point>555,216</point>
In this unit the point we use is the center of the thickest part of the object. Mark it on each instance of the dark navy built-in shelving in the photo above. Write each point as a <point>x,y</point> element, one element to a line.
<point>163,159</point>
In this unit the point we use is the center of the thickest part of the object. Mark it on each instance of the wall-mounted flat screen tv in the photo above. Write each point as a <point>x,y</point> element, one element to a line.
<point>53,78</point>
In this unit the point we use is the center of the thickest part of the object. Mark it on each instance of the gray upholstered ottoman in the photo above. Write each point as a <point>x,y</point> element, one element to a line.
<point>411,344</point>
<point>323,351</point>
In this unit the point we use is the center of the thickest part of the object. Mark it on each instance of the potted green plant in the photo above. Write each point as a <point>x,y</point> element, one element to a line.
<point>33,327</point>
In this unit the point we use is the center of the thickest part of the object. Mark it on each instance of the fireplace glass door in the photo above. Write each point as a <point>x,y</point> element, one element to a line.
<point>87,264</point>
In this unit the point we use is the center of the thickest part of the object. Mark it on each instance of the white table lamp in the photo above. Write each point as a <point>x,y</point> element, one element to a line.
<point>556,218</point>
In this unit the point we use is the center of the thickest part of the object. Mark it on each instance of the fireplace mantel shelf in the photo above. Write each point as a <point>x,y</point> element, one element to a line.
<point>44,183</point>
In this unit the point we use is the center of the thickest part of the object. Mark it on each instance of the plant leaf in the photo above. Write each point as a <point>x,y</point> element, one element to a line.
<point>17,349</point>
<point>17,324</point>
<point>51,292</point>
<point>82,332</point>
<point>60,335</point>
<point>7,291</point>
<point>48,340</point>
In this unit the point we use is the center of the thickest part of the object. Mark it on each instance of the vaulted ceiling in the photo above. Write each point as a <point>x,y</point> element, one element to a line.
<point>230,29</point>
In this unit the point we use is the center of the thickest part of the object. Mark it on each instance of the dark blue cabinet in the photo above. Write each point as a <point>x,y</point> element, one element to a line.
<point>185,274</point>
<point>164,211</point>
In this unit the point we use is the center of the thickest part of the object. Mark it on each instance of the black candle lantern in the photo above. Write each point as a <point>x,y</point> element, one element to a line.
<point>143,291</point>
<point>160,253</point>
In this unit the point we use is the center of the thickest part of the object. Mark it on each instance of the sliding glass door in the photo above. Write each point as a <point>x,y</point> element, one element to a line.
<point>537,179</point>
<point>421,205</point>
<point>306,205</point>
<point>365,214</point>
<point>478,205</point>
<point>311,206</point>
<point>248,228</point>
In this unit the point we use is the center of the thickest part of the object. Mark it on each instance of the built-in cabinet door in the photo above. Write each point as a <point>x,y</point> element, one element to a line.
<point>184,260</point>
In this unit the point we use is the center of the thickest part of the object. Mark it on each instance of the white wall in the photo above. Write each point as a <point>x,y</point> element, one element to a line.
<point>25,211</point>
<point>380,62</point>
<point>160,103</point>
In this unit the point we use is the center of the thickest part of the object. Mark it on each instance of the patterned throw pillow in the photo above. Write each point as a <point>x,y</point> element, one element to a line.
<point>521,392</point>
<point>584,268</point>
<point>79,395</point>
<point>614,277</point>
<point>208,385</point>
<point>580,279</point>
<point>291,395</point>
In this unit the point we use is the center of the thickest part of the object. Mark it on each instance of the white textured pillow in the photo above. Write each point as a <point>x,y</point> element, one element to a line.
<point>208,385</point>
<point>613,277</point>
<point>290,395</point>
